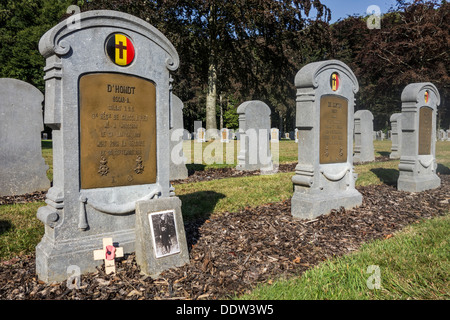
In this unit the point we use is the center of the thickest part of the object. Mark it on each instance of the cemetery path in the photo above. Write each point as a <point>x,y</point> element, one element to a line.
<point>236,251</point>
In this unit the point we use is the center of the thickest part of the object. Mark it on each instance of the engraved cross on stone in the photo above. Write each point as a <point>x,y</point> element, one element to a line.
<point>109,253</point>
<point>121,48</point>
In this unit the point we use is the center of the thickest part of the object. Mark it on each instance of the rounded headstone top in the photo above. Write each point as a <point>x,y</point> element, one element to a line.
<point>414,92</point>
<point>364,114</point>
<point>52,42</point>
<point>307,76</point>
<point>15,86</point>
<point>256,106</point>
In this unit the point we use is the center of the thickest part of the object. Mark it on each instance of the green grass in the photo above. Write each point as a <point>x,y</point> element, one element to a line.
<point>20,230</point>
<point>47,154</point>
<point>204,199</point>
<point>414,264</point>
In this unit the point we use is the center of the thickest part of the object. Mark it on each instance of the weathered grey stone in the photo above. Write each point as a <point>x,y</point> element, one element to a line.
<point>364,151</point>
<point>76,218</point>
<point>147,237</point>
<point>396,136</point>
<point>418,152</point>
<point>254,126</point>
<point>22,167</point>
<point>324,180</point>
<point>178,169</point>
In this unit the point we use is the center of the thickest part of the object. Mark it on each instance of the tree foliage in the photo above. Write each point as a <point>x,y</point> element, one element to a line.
<point>22,24</point>
<point>411,46</point>
<point>252,49</point>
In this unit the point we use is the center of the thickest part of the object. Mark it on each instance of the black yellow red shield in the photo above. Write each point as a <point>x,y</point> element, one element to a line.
<point>334,81</point>
<point>120,49</point>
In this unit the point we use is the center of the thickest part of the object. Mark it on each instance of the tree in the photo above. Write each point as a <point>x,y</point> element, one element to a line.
<point>22,24</point>
<point>411,46</point>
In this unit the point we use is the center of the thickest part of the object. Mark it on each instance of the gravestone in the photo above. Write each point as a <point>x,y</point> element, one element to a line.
<point>296,135</point>
<point>364,151</point>
<point>287,136</point>
<point>274,134</point>
<point>324,176</point>
<point>396,136</point>
<point>225,135</point>
<point>254,126</point>
<point>178,169</point>
<point>418,152</point>
<point>108,101</point>
<point>201,135</point>
<point>442,136</point>
<point>22,167</point>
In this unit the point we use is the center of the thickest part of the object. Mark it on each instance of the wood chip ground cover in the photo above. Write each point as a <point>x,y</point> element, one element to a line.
<point>236,251</point>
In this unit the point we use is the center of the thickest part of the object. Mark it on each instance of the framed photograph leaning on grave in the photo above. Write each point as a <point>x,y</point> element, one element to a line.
<point>164,229</point>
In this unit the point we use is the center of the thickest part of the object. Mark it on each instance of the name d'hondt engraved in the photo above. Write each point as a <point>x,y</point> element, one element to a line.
<point>117,126</point>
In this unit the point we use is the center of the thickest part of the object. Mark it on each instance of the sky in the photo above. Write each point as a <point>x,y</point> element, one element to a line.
<point>344,8</point>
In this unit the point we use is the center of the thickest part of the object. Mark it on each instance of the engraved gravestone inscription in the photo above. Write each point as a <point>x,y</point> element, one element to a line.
<point>425,127</point>
<point>333,129</point>
<point>117,130</point>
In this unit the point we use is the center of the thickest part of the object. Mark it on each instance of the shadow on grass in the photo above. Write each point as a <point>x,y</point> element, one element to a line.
<point>387,176</point>
<point>199,205</point>
<point>192,167</point>
<point>46,144</point>
<point>384,153</point>
<point>441,169</point>
<point>5,226</point>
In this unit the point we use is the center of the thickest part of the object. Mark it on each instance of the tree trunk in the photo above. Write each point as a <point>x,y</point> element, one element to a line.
<point>211,97</point>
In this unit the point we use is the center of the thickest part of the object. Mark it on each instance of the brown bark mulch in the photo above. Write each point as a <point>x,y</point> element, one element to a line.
<point>236,251</point>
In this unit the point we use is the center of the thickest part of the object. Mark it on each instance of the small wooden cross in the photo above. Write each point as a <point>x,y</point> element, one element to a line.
<point>109,253</point>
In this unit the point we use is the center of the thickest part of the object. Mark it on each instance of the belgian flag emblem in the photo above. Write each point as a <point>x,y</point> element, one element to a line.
<point>120,49</point>
<point>334,81</point>
<point>427,96</point>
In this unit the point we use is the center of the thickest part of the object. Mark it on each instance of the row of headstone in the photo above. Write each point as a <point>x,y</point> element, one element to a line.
<point>111,192</point>
<point>324,178</point>
<point>443,135</point>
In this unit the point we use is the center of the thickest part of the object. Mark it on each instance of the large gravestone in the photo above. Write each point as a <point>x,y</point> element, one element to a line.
<point>178,169</point>
<point>396,136</point>
<point>418,152</point>
<point>254,129</point>
<point>364,151</point>
<point>22,167</point>
<point>108,101</point>
<point>324,176</point>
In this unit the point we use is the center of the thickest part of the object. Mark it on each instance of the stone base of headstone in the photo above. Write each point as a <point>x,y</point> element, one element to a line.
<point>55,259</point>
<point>411,183</point>
<point>310,206</point>
<point>146,252</point>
